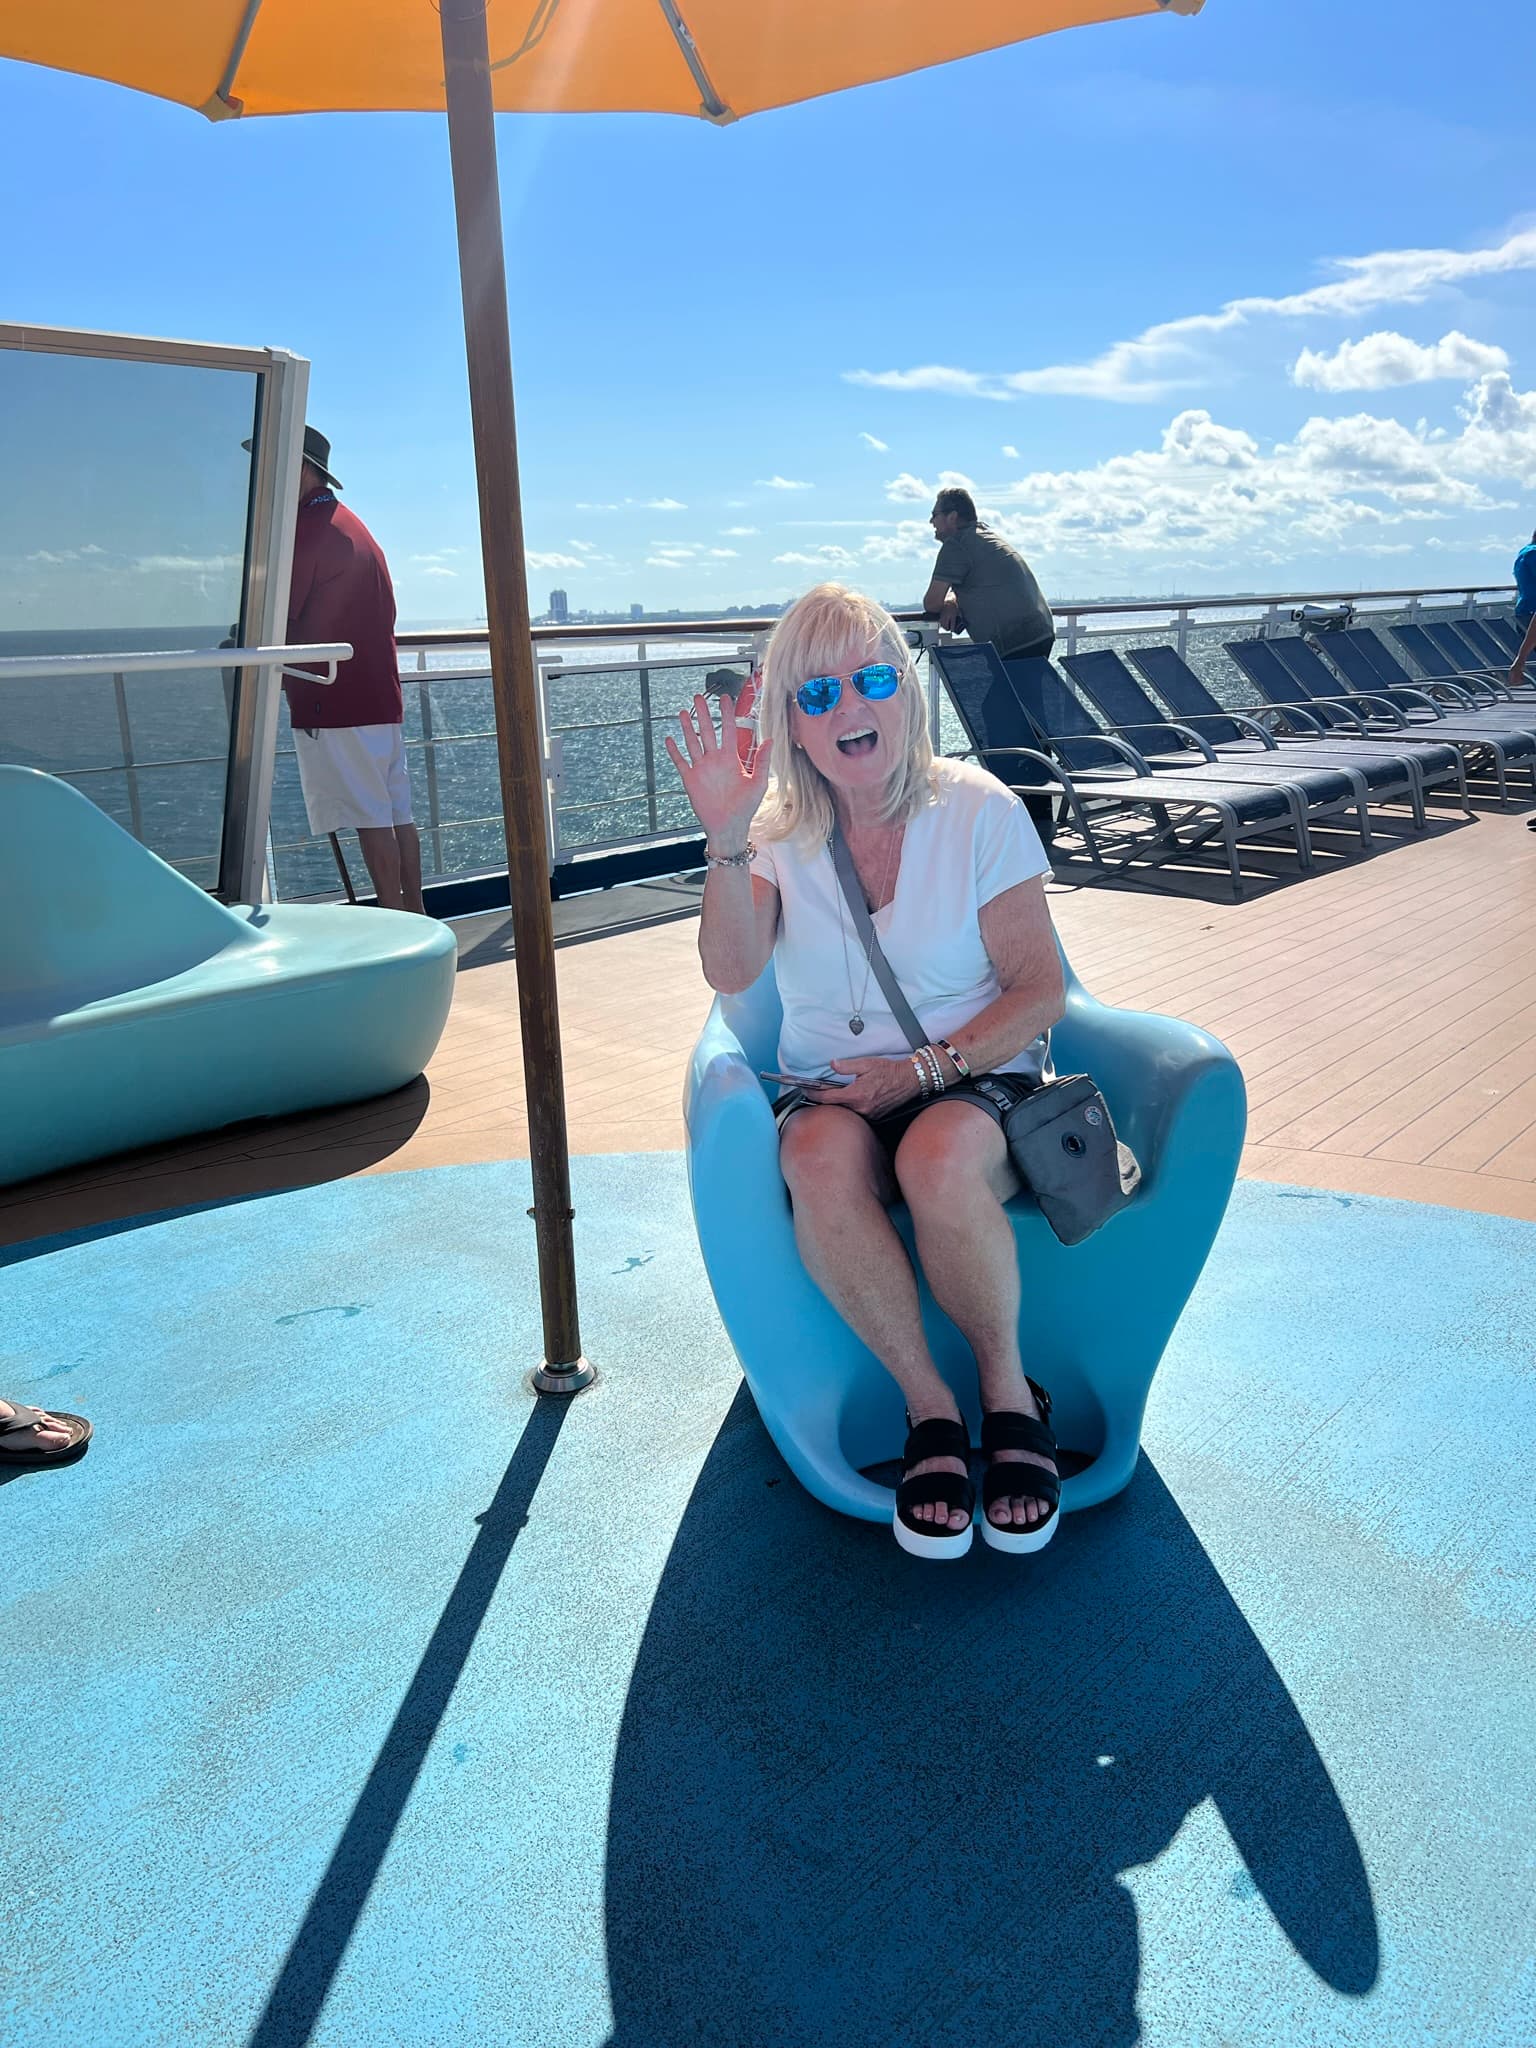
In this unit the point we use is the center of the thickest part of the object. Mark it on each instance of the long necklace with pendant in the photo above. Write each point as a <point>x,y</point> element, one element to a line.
<point>856,1006</point>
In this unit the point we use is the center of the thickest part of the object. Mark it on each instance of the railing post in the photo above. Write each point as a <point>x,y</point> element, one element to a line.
<point>125,733</point>
<point>429,748</point>
<point>1181,633</point>
<point>648,738</point>
<point>1071,632</point>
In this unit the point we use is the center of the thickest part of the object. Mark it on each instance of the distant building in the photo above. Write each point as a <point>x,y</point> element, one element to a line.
<point>637,611</point>
<point>559,607</point>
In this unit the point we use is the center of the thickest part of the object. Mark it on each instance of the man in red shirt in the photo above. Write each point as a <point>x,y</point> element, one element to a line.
<point>349,735</point>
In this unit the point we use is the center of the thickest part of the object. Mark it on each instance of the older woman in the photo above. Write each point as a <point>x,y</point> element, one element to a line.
<point>953,873</point>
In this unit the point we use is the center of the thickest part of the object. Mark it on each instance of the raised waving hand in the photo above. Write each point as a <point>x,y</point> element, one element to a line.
<point>725,775</point>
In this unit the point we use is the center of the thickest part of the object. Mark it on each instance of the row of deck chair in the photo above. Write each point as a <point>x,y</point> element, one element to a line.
<point>1316,747</point>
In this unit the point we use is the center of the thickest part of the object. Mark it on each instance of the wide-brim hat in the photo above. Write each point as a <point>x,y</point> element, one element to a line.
<point>317,453</point>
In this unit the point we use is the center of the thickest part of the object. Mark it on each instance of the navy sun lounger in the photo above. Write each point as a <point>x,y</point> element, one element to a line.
<point>1327,787</point>
<point>1389,777</point>
<point>1369,719</point>
<point>1007,709</point>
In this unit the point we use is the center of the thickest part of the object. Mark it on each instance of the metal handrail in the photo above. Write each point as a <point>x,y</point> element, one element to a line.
<point>726,628</point>
<point>43,667</point>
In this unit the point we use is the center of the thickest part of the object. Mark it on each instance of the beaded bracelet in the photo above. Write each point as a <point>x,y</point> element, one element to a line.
<point>743,859</point>
<point>925,1085</point>
<point>930,1060</point>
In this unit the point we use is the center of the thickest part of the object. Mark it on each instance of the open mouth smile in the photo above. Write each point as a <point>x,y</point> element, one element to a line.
<point>862,740</point>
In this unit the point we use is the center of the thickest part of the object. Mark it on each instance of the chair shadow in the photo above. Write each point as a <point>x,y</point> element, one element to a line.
<point>865,1801</point>
<point>209,1170</point>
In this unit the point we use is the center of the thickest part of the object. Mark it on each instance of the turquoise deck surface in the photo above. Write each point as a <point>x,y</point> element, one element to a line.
<point>350,1697</point>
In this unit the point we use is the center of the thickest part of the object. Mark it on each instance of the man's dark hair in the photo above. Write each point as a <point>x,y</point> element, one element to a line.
<point>955,500</point>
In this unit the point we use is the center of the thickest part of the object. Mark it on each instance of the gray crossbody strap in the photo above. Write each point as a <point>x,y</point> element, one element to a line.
<point>869,939</point>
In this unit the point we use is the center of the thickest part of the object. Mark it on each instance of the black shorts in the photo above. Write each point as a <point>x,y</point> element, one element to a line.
<point>891,1128</point>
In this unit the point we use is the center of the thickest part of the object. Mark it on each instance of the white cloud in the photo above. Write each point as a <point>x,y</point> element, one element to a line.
<point>737,532</point>
<point>584,505</point>
<point>782,483</point>
<point>185,565</point>
<point>880,447</point>
<point>1385,359</point>
<point>437,569</point>
<point>543,559</point>
<point>663,505</point>
<point>1499,438</point>
<point>1011,453</point>
<point>907,489</point>
<point>1166,357</point>
<point>828,557</point>
<point>724,554</point>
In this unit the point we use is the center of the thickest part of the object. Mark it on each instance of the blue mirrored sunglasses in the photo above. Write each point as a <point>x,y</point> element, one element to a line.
<point>819,693</point>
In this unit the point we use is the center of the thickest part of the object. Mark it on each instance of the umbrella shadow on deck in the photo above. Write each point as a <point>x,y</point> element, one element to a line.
<point>866,1801</point>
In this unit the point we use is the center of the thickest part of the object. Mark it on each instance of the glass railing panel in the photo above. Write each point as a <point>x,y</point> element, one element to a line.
<point>123,527</point>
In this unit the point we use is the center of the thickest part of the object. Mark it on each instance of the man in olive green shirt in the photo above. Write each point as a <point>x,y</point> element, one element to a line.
<point>981,585</point>
<point>985,588</point>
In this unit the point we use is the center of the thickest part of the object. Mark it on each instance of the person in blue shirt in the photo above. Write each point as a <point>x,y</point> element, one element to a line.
<point>1525,584</point>
<point>1525,617</point>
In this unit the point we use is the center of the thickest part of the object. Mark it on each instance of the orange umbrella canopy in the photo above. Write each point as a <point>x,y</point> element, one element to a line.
<point>718,58</point>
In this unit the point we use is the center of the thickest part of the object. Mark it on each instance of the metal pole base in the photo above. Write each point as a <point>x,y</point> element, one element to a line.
<point>564,1379</point>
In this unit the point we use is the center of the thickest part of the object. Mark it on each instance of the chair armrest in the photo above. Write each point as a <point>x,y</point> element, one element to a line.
<point>1168,725</point>
<point>1147,1065</point>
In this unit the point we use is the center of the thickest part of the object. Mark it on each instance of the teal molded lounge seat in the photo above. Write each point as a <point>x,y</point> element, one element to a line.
<point>134,1008</point>
<point>1096,1316</point>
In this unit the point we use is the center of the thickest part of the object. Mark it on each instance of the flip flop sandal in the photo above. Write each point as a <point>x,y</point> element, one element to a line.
<point>27,1455</point>
<point>1005,1430</point>
<point>936,1438</point>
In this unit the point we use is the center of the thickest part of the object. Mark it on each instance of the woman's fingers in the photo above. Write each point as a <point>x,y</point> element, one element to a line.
<point>691,740</point>
<point>706,723</point>
<point>678,762</point>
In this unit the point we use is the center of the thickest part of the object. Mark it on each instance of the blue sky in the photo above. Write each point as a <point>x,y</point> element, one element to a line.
<point>1012,270</point>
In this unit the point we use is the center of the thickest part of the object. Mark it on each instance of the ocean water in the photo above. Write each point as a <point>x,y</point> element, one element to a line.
<point>152,754</point>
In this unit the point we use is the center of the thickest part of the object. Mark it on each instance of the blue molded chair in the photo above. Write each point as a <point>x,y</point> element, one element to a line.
<point>1096,1316</point>
<point>134,1008</point>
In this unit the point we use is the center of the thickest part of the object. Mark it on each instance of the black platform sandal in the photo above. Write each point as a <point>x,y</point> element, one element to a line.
<point>939,1437</point>
<point>1006,1430</point>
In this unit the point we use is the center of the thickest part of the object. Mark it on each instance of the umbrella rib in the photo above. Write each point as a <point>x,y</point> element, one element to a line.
<point>226,86</point>
<point>713,108</point>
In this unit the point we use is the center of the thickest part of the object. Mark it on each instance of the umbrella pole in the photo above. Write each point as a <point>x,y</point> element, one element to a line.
<point>488,349</point>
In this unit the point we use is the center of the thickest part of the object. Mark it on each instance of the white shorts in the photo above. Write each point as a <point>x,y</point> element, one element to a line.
<point>353,775</point>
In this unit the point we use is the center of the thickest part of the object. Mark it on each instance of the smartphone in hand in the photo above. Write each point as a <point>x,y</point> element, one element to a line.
<point>811,1081</point>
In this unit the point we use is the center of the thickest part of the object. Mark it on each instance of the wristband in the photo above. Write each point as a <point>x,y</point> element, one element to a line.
<point>958,1061</point>
<point>743,859</point>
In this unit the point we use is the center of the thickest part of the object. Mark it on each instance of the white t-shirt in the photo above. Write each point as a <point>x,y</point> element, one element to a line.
<point>975,842</point>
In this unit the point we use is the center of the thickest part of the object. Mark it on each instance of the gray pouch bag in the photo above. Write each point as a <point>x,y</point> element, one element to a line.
<point>1061,1137</point>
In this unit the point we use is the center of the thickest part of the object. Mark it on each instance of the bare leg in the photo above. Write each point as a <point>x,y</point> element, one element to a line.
<point>408,839</point>
<point>954,1171</point>
<point>381,856</point>
<point>840,1184</point>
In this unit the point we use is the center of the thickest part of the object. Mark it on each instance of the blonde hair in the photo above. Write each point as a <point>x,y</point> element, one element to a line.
<point>812,639</point>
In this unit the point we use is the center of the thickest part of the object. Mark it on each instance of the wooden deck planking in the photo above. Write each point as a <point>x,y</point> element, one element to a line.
<point>1383,1010</point>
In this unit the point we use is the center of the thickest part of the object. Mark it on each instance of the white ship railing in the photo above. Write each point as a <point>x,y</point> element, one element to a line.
<point>606,793</point>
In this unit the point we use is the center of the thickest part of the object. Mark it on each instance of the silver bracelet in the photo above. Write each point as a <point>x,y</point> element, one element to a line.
<point>743,859</point>
<point>925,1086</point>
<point>935,1072</point>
